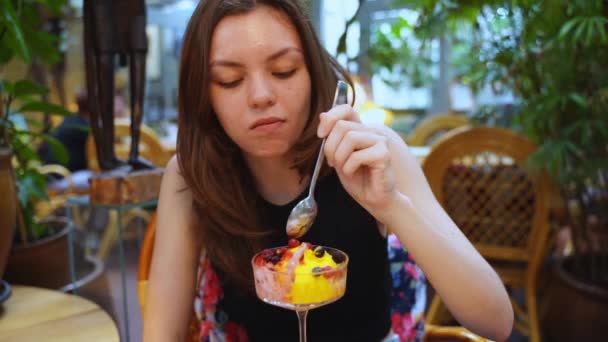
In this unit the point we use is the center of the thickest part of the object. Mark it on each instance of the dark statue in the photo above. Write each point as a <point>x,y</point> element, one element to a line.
<point>115,28</point>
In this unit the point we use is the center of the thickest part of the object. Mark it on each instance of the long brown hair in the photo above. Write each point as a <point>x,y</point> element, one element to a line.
<point>211,163</point>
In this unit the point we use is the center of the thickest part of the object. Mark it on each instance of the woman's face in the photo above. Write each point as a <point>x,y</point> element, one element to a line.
<point>260,84</point>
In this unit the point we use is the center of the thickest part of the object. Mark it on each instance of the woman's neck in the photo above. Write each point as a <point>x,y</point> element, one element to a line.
<point>275,180</point>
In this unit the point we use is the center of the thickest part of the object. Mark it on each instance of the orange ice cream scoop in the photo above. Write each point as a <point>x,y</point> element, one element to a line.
<point>311,282</point>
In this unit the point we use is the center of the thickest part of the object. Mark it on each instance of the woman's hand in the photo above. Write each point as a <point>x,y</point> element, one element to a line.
<point>361,157</point>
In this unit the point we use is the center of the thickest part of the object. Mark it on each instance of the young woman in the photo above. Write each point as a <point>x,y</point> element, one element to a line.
<point>255,94</point>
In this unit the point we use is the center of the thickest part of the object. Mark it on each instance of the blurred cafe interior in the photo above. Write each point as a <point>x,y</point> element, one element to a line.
<point>504,104</point>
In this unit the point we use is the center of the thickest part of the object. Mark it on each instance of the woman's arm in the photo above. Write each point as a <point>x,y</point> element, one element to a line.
<point>466,283</point>
<point>177,248</point>
<point>378,171</point>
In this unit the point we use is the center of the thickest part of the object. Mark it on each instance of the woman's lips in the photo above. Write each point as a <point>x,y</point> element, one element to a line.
<point>267,125</point>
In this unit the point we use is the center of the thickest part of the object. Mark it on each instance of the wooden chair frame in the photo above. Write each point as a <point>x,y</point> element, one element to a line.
<point>429,126</point>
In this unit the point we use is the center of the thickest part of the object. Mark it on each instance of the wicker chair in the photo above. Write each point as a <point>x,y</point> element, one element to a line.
<point>432,333</point>
<point>431,128</point>
<point>478,176</point>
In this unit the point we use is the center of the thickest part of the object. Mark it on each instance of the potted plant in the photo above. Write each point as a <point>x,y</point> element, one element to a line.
<point>551,55</point>
<point>20,181</point>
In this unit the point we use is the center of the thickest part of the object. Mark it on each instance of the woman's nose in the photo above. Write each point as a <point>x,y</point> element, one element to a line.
<point>261,93</point>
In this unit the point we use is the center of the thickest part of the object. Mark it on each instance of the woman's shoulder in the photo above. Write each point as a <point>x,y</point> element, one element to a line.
<point>174,190</point>
<point>172,165</point>
<point>175,213</point>
<point>173,175</point>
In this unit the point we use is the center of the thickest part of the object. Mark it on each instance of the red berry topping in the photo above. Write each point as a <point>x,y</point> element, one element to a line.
<point>293,243</point>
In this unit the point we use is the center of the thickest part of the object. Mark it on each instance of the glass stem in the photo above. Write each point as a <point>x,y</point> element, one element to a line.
<point>302,324</point>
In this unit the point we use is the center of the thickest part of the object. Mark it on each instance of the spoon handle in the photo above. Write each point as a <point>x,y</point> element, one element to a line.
<point>315,174</point>
<point>340,97</point>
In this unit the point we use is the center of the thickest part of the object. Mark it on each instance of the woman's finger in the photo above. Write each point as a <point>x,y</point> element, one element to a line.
<point>354,141</point>
<point>328,119</point>
<point>333,140</point>
<point>376,156</point>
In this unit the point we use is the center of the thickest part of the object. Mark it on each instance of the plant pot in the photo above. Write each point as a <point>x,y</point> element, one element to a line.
<point>42,263</point>
<point>573,310</point>
<point>8,206</point>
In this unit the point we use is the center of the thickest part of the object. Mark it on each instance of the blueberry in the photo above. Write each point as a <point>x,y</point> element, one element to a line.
<point>275,259</point>
<point>319,252</point>
<point>337,256</point>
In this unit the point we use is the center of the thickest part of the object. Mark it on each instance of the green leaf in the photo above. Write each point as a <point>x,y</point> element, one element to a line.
<point>568,26</point>
<point>12,22</point>
<point>23,150</point>
<point>580,30</point>
<point>45,107</point>
<point>6,54</point>
<point>27,88</point>
<point>34,123</point>
<point>7,86</point>
<point>602,31</point>
<point>44,46</point>
<point>578,99</point>
<point>589,37</point>
<point>57,148</point>
<point>32,186</point>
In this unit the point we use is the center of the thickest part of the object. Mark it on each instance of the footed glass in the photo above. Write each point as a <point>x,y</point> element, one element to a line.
<point>300,278</point>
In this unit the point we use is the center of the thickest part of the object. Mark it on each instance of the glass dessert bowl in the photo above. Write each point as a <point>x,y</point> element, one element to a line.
<point>300,277</point>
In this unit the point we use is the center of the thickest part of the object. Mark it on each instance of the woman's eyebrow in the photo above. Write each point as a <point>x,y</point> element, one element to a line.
<point>274,56</point>
<point>283,52</point>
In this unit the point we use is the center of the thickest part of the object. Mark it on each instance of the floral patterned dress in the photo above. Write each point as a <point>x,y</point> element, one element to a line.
<point>211,324</point>
<point>408,298</point>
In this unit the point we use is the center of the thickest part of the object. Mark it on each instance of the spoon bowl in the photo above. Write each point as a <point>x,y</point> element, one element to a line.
<point>301,217</point>
<point>304,213</point>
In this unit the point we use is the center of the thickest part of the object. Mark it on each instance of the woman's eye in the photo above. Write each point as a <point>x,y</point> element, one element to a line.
<point>230,84</point>
<point>285,74</point>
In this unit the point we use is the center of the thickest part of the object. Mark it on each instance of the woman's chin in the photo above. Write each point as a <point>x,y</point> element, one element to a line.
<point>268,151</point>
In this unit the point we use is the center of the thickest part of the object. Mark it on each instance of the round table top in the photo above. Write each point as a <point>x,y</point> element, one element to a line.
<point>35,314</point>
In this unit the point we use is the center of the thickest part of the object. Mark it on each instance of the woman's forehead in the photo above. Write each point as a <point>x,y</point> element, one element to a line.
<point>263,30</point>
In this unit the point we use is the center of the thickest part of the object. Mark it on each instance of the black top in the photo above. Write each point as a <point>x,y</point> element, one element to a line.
<point>363,314</point>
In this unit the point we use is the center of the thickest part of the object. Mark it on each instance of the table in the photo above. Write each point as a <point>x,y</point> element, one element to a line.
<point>36,314</point>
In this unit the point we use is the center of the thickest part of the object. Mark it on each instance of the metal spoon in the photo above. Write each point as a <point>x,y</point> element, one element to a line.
<point>304,213</point>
